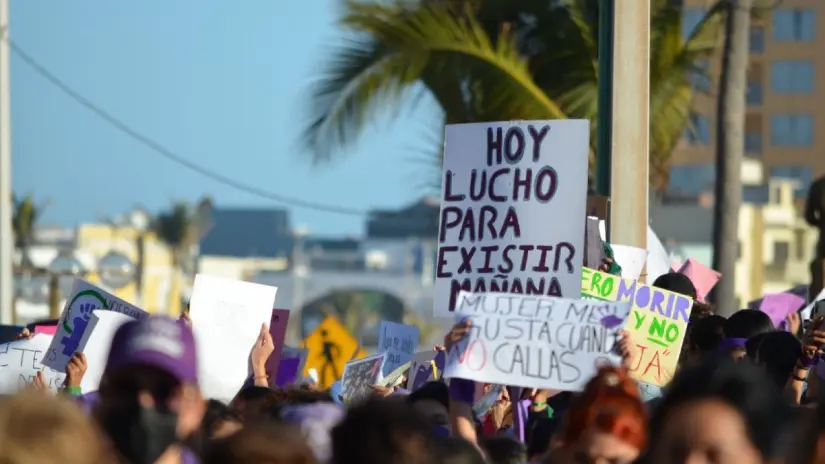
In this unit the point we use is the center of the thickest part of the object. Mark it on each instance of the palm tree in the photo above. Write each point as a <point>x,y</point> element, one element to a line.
<point>176,228</point>
<point>730,147</point>
<point>495,60</point>
<point>25,215</point>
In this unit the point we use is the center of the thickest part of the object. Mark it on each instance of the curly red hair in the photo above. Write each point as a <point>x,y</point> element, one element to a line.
<point>610,404</point>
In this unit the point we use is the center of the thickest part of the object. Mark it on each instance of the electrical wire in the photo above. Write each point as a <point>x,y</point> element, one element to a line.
<point>165,152</point>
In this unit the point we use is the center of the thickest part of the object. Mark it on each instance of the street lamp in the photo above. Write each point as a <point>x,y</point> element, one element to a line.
<point>64,264</point>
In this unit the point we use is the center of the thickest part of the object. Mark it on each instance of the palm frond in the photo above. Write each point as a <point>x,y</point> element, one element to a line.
<point>397,45</point>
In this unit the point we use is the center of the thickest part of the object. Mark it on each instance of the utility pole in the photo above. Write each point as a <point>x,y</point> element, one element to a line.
<point>6,240</point>
<point>631,123</point>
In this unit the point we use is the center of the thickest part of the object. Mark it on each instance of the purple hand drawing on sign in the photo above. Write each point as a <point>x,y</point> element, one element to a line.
<point>72,341</point>
<point>611,321</point>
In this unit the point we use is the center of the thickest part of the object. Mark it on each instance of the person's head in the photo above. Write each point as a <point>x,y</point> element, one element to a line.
<point>540,436</point>
<point>315,421</point>
<point>261,443</point>
<point>384,431</point>
<point>776,352</point>
<point>741,326</point>
<point>719,411</point>
<point>40,428</point>
<point>456,450</point>
<point>255,403</point>
<point>676,282</point>
<point>705,334</point>
<point>220,420</point>
<point>503,450</point>
<point>149,397</point>
<point>606,422</point>
<point>432,400</point>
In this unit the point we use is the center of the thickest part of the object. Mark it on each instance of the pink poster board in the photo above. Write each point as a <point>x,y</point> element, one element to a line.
<point>703,277</point>
<point>45,329</point>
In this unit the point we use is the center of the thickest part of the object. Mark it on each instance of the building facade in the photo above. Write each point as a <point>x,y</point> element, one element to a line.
<point>785,119</point>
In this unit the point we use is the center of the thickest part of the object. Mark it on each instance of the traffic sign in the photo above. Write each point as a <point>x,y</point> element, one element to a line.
<point>330,347</point>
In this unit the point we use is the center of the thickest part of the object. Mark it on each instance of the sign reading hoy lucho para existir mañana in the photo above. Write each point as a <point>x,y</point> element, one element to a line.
<point>512,197</point>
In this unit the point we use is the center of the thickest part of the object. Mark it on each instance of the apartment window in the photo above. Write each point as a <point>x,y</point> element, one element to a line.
<point>799,241</point>
<point>757,40</point>
<point>792,76</point>
<point>802,175</point>
<point>754,93</point>
<point>691,18</point>
<point>753,143</point>
<point>792,130</point>
<point>794,24</point>
<point>700,76</point>
<point>699,131</point>
<point>690,180</point>
<point>781,252</point>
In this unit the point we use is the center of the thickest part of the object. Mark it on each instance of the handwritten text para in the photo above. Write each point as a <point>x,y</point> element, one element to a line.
<point>505,186</point>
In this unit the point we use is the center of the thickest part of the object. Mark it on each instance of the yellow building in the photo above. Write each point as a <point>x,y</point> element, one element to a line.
<point>161,287</point>
<point>776,244</point>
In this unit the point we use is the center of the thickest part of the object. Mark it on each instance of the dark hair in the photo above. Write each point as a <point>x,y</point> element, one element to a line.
<point>252,393</point>
<point>456,450</point>
<point>503,450</point>
<point>381,431</point>
<point>269,443</point>
<point>676,282</point>
<point>706,333</point>
<point>777,352</point>
<point>747,323</point>
<point>740,385</point>
<point>217,412</point>
<point>539,436</point>
<point>434,390</point>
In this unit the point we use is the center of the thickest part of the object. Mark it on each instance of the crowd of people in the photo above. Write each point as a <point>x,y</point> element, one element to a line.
<point>745,392</point>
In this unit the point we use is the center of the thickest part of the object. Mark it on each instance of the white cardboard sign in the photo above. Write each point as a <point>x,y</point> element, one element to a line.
<point>74,320</point>
<point>511,209</point>
<point>535,341</point>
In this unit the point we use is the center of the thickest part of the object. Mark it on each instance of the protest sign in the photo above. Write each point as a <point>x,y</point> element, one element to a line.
<point>359,375</point>
<point>702,277</point>
<point>506,188</point>
<point>779,305</point>
<point>486,402</point>
<point>9,333</point>
<point>288,370</point>
<point>535,341</point>
<point>227,316</point>
<point>598,206</point>
<point>95,344</point>
<point>631,259</point>
<point>399,341</point>
<point>656,327</point>
<point>21,360</point>
<point>396,377</point>
<point>74,320</point>
<point>45,329</point>
<point>277,329</point>
<point>594,248</point>
<point>423,368</point>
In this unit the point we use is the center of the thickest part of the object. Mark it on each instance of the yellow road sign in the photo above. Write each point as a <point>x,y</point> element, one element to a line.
<point>330,347</point>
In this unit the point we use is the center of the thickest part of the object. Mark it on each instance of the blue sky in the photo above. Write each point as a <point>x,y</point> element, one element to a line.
<point>221,83</point>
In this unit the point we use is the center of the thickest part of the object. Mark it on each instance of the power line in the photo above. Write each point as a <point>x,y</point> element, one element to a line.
<point>165,152</point>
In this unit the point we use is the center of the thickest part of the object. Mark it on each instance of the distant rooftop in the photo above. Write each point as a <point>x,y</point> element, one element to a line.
<point>246,232</point>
